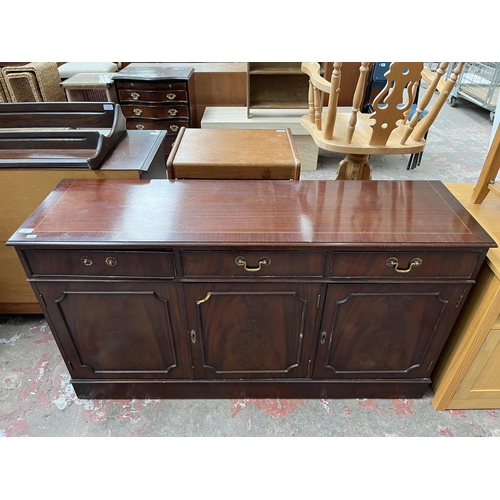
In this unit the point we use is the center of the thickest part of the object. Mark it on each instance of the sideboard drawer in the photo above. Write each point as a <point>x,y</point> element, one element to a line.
<point>100,263</point>
<point>411,265</point>
<point>252,263</point>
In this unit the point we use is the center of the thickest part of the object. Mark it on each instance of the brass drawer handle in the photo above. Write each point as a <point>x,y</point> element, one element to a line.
<point>171,96</point>
<point>137,111</point>
<point>87,261</point>
<point>139,126</point>
<point>111,261</point>
<point>393,262</point>
<point>172,112</point>
<point>135,96</point>
<point>174,128</point>
<point>242,262</point>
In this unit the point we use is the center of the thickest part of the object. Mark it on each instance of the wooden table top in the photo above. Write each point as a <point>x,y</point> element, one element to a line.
<point>153,73</point>
<point>92,80</point>
<point>135,150</point>
<point>343,214</point>
<point>224,67</point>
<point>196,146</point>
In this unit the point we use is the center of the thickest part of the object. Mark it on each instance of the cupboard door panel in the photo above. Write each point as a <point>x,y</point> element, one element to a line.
<point>252,330</point>
<point>117,330</point>
<point>482,381</point>
<point>384,331</point>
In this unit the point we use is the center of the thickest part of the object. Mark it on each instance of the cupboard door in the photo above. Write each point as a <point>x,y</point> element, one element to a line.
<point>385,331</point>
<point>252,330</point>
<point>117,330</point>
<point>480,388</point>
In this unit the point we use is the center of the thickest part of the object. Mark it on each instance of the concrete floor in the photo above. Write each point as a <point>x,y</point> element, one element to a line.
<point>36,398</point>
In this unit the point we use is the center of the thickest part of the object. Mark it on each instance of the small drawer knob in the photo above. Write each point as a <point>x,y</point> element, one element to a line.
<point>137,111</point>
<point>87,261</point>
<point>111,261</point>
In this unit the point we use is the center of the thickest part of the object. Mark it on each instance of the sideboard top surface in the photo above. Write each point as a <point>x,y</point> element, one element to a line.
<point>233,213</point>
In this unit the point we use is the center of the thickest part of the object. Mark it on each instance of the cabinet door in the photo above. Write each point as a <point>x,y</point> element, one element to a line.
<point>480,388</point>
<point>385,331</point>
<point>117,330</point>
<point>252,330</point>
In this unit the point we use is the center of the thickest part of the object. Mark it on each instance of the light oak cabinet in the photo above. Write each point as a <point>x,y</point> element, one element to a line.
<point>468,373</point>
<point>207,289</point>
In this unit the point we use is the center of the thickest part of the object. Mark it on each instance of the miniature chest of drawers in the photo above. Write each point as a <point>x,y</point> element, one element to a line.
<point>251,289</point>
<point>156,98</point>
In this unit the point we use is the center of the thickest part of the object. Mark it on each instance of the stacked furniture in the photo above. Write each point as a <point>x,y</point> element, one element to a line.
<point>4,92</point>
<point>66,141</point>
<point>59,134</point>
<point>89,81</point>
<point>33,82</point>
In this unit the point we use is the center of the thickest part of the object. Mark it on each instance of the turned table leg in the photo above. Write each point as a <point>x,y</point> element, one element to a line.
<point>354,167</point>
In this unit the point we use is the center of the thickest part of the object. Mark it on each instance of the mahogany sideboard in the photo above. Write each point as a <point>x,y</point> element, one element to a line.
<point>255,288</point>
<point>138,155</point>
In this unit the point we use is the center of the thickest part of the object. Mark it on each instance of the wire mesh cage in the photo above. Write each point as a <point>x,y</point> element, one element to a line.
<point>478,83</point>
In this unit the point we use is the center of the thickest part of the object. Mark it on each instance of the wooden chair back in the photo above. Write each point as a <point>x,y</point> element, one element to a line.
<point>391,106</point>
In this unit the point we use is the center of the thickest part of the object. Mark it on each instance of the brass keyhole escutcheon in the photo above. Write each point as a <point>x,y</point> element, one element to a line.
<point>139,126</point>
<point>322,337</point>
<point>242,262</point>
<point>174,128</point>
<point>137,111</point>
<point>172,112</point>
<point>393,262</point>
<point>171,96</point>
<point>135,96</point>
<point>111,261</point>
<point>192,336</point>
<point>87,261</point>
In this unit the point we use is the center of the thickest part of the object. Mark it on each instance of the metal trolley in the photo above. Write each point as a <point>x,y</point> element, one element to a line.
<point>479,83</point>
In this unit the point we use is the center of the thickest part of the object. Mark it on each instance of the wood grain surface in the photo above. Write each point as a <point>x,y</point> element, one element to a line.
<point>208,212</point>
